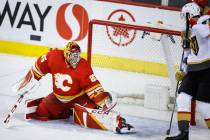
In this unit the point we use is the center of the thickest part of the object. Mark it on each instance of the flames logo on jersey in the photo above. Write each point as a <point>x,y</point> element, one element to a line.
<point>59,81</point>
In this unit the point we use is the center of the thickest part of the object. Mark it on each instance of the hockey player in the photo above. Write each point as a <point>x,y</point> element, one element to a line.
<point>196,82</point>
<point>76,91</point>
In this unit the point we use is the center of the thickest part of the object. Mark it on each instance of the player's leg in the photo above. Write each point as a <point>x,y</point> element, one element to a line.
<point>186,92</point>
<point>31,107</point>
<point>87,114</point>
<point>99,119</point>
<point>204,109</point>
<point>49,108</point>
<point>183,116</point>
<point>203,96</point>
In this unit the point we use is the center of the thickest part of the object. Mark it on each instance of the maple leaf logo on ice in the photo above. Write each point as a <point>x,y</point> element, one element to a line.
<point>118,35</point>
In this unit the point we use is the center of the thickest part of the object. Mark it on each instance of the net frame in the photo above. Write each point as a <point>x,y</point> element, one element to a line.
<point>164,30</point>
<point>148,27</point>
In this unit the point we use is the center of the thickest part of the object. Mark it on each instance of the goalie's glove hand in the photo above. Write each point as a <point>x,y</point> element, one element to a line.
<point>104,106</point>
<point>180,75</point>
<point>107,104</point>
<point>107,101</point>
<point>26,85</point>
<point>31,87</point>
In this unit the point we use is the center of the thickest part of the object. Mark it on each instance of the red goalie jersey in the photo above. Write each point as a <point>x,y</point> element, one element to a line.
<point>68,82</point>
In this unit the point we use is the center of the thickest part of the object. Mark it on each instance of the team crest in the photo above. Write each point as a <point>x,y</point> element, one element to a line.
<point>60,79</point>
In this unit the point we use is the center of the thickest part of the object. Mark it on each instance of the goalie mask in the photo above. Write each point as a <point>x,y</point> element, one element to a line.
<point>72,53</point>
<point>192,8</point>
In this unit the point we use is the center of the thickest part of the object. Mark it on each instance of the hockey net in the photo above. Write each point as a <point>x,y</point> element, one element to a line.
<point>131,60</point>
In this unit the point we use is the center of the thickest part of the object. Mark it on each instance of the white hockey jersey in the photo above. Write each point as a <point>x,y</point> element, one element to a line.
<point>200,60</point>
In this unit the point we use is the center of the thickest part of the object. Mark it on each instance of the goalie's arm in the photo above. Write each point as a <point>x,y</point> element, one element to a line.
<point>26,84</point>
<point>40,68</point>
<point>93,88</point>
<point>30,81</point>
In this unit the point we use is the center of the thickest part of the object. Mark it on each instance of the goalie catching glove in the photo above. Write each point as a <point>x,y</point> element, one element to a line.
<point>26,85</point>
<point>106,101</point>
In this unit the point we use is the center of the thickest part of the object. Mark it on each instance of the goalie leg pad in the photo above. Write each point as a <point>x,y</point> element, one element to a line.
<point>99,119</point>
<point>31,108</point>
<point>48,108</point>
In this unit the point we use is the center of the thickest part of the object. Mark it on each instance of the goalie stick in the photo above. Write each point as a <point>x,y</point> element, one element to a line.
<point>6,121</point>
<point>110,108</point>
<point>22,87</point>
<point>114,103</point>
<point>184,44</point>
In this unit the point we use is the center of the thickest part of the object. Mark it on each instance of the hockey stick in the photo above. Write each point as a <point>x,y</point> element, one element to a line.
<point>172,114</point>
<point>6,121</point>
<point>110,108</point>
<point>184,44</point>
<point>24,86</point>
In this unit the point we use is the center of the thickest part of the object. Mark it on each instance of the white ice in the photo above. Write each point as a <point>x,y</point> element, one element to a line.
<point>14,67</point>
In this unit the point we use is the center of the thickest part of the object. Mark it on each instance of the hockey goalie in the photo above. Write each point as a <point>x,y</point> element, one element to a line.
<point>76,92</point>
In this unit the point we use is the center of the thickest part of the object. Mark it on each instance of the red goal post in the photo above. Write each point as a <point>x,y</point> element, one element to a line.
<point>147,27</point>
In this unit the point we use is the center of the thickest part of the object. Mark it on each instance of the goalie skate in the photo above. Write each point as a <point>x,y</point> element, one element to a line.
<point>123,127</point>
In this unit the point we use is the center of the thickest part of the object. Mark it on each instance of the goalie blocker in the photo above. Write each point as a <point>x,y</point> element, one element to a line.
<point>86,117</point>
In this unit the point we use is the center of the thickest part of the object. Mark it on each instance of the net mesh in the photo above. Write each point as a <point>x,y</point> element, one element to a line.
<point>131,58</point>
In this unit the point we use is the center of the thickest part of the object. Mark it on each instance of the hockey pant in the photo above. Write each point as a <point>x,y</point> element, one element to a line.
<point>184,108</point>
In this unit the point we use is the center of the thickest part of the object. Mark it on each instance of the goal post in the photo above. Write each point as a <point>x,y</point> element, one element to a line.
<point>130,57</point>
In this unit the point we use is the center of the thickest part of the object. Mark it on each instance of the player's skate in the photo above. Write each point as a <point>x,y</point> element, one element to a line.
<point>181,136</point>
<point>123,127</point>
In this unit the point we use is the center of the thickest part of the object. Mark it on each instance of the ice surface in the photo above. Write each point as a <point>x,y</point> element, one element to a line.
<point>14,67</point>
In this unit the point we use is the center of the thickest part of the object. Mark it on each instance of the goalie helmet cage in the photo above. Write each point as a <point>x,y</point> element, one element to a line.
<point>150,49</point>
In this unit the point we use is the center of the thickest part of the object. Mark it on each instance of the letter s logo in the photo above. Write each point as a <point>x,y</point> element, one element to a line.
<point>65,22</point>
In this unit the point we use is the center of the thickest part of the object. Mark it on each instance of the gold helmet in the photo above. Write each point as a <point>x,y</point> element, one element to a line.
<point>72,53</point>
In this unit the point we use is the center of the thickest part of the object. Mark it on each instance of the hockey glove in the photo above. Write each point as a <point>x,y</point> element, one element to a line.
<point>180,75</point>
<point>26,85</point>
